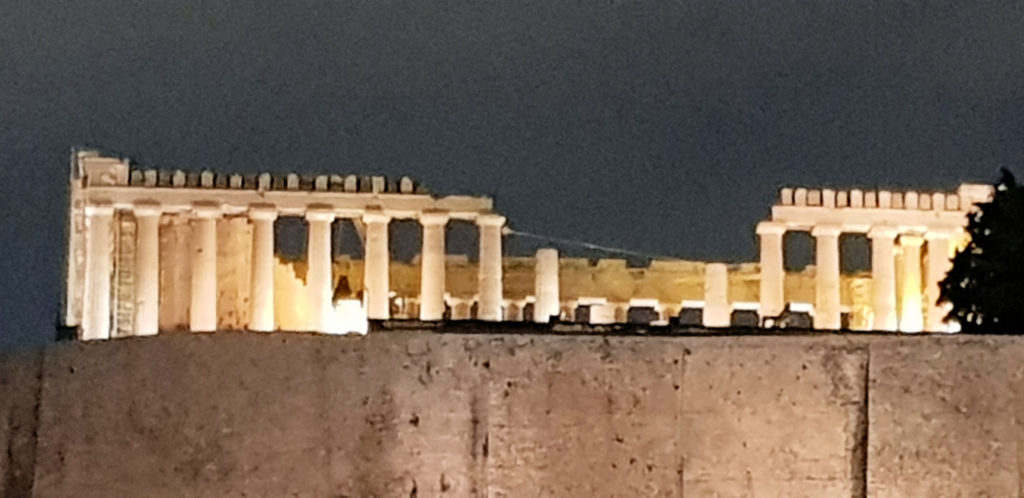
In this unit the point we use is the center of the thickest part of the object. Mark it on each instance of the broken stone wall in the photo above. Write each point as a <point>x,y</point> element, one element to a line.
<point>668,282</point>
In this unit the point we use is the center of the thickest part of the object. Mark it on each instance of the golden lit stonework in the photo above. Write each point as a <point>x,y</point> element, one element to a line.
<point>153,251</point>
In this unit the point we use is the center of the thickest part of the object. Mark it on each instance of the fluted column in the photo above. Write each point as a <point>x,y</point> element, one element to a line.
<point>376,265</point>
<point>147,269</point>
<point>717,312</point>
<point>432,261</point>
<point>98,265</point>
<point>320,275</point>
<point>203,309</point>
<point>827,314</point>
<point>883,277</point>
<point>773,274</point>
<point>546,285</point>
<point>261,292</point>
<point>489,306</point>
<point>911,319</point>
<point>939,263</point>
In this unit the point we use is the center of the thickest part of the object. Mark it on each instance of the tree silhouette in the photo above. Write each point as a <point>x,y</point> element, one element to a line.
<point>985,285</point>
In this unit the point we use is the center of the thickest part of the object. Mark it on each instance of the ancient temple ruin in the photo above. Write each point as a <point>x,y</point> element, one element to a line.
<point>907,219</point>
<point>153,251</point>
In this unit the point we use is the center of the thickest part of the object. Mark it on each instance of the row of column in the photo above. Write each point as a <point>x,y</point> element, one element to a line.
<point>376,266</point>
<point>888,314</point>
<point>320,280</point>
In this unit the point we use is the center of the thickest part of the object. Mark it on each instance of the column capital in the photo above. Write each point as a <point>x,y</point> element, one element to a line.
<point>376,216</point>
<point>433,217</point>
<point>826,231</point>
<point>547,252</point>
<point>207,210</point>
<point>883,232</point>
<point>490,219</point>
<point>147,209</point>
<point>771,228</point>
<point>267,212</point>
<point>99,209</point>
<point>911,240</point>
<point>320,213</point>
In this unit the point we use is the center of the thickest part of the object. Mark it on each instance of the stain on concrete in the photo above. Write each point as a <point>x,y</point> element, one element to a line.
<point>428,414</point>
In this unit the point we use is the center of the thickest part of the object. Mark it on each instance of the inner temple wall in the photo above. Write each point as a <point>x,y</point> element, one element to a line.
<point>668,282</point>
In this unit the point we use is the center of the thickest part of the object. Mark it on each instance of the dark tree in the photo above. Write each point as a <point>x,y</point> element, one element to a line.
<point>986,283</point>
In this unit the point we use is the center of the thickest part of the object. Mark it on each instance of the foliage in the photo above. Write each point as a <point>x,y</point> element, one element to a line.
<point>985,285</point>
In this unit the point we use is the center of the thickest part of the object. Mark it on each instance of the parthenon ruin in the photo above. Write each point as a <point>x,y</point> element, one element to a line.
<point>153,251</point>
<point>907,218</point>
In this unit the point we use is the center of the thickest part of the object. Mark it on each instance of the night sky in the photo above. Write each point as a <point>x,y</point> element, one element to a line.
<point>662,127</point>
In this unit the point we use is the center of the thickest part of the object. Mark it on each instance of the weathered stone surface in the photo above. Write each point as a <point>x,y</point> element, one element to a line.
<point>20,380</point>
<point>404,415</point>
<point>234,265</point>
<point>175,271</point>
<point>944,416</point>
<point>424,414</point>
<point>583,416</point>
<point>181,415</point>
<point>772,416</point>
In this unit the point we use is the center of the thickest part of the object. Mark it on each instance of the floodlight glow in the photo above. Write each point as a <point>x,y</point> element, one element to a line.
<point>348,317</point>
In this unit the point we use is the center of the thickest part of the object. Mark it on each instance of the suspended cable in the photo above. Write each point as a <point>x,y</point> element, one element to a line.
<point>588,245</point>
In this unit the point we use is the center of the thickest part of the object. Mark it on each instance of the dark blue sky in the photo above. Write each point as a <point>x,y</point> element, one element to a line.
<point>664,127</point>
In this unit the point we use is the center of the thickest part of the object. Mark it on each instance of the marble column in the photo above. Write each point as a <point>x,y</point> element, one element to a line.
<point>99,243</point>
<point>261,292</point>
<point>911,319</point>
<point>827,314</point>
<point>432,265</point>
<point>319,272</point>
<point>717,312</point>
<point>203,308</point>
<point>546,286</point>
<point>883,277</point>
<point>376,265</point>
<point>147,269</point>
<point>938,265</point>
<point>489,305</point>
<point>773,273</point>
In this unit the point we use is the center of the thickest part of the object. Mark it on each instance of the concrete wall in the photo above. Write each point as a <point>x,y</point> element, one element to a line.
<point>423,414</point>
